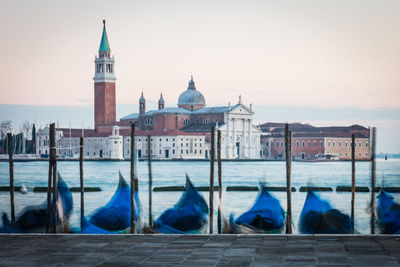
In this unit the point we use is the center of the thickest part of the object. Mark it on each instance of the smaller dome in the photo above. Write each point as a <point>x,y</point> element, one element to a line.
<point>191,96</point>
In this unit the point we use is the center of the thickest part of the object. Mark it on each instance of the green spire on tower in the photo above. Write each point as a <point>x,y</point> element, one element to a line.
<point>104,46</point>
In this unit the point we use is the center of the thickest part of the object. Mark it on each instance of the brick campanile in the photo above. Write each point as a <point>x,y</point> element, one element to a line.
<point>104,84</point>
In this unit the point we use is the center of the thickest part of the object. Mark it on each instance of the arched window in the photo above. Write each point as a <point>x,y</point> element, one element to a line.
<point>186,121</point>
<point>148,121</point>
<point>206,121</point>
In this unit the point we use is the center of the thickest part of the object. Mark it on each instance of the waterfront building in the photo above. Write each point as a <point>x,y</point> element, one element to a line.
<point>240,139</point>
<point>309,142</point>
<point>96,145</point>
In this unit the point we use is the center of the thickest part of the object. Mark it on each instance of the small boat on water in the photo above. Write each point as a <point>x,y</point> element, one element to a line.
<point>189,215</point>
<point>318,217</point>
<point>33,218</point>
<point>116,214</point>
<point>388,213</point>
<point>265,216</point>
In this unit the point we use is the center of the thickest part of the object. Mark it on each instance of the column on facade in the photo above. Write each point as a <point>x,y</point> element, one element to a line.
<point>227,137</point>
<point>244,138</point>
<point>233,138</point>
<point>249,126</point>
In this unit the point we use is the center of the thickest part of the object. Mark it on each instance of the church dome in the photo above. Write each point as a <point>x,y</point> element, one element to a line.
<point>191,96</point>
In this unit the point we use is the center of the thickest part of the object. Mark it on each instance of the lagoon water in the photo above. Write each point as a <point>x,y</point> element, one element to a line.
<point>104,174</point>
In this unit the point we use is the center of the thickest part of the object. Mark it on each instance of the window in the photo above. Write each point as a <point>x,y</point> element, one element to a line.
<point>160,139</point>
<point>329,143</point>
<point>320,143</point>
<point>359,144</point>
<point>366,144</point>
<point>191,107</point>
<point>181,144</point>
<point>308,143</point>
<point>303,143</point>
<point>277,143</point>
<point>187,144</point>
<point>148,121</point>
<point>340,143</point>
<point>281,143</point>
<point>166,139</point>
<point>346,145</point>
<point>115,142</point>
<point>187,151</point>
<point>315,143</point>
<point>297,143</point>
<point>200,151</point>
<point>160,151</point>
<point>333,143</point>
<point>173,151</point>
<point>195,151</point>
<point>186,121</point>
<point>173,144</point>
<point>181,151</point>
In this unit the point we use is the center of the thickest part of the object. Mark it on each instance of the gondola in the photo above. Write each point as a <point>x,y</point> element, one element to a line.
<point>265,216</point>
<point>89,228</point>
<point>33,218</point>
<point>189,215</point>
<point>318,217</point>
<point>388,213</point>
<point>116,214</point>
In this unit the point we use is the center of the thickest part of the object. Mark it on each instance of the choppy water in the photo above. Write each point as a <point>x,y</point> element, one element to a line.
<point>104,174</point>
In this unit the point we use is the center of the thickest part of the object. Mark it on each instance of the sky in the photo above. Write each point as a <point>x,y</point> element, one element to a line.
<point>322,62</point>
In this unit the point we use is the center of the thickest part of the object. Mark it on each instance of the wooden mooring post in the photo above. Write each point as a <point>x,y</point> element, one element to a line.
<point>219,182</point>
<point>11,163</point>
<point>81,181</point>
<point>353,178</point>
<point>133,224</point>
<point>373,146</point>
<point>48,210</point>
<point>53,158</point>
<point>288,156</point>
<point>52,178</point>
<point>211,192</point>
<point>150,180</point>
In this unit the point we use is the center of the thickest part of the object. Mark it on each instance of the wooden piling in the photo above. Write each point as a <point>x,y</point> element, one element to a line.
<point>219,182</point>
<point>150,180</point>
<point>81,181</point>
<point>52,143</point>
<point>373,145</point>
<point>133,184</point>
<point>353,178</point>
<point>288,156</point>
<point>11,163</point>
<point>53,155</point>
<point>211,192</point>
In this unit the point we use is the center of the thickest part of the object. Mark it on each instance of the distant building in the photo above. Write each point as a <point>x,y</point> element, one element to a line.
<point>104,84</point>
<point>240,138</point>
<point>309,142</point>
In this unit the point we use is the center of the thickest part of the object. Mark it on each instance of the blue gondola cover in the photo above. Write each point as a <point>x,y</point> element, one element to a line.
<point>116,214</point>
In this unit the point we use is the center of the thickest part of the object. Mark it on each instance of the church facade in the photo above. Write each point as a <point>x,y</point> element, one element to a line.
<point>240,139</point>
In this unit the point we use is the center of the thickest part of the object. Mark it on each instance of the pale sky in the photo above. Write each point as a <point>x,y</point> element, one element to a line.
<point>304,53</point>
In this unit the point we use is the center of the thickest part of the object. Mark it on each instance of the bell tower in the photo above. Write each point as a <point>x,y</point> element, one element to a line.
<point>104,84</point>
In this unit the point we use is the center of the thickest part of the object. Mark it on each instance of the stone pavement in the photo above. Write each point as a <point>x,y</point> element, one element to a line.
<point>199,250</point>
